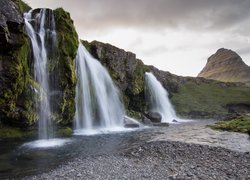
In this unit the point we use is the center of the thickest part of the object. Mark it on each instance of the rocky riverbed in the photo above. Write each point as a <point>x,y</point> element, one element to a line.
<point>184,155</point>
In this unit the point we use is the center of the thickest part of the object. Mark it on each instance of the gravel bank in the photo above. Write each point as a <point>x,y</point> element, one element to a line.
<point>158,160</point>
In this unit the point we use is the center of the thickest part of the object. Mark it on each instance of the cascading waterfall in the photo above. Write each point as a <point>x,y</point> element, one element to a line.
<point>40,27</point>
<point>98,104</point>
<point>158,99</point>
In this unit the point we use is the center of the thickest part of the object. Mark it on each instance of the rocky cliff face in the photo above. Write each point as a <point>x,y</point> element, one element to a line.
<point>192,97</point>
<point>226,65</point>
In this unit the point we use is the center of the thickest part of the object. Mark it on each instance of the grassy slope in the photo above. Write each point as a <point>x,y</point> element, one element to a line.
<point>210,98</point>
<point>241,124</point>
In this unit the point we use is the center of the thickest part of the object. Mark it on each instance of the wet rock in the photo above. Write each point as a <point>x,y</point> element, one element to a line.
<point>161,124</point>
<point>174,120</point>
<point>131,125</point>
<point>130,122</point>
<point>147,121</point>
<point>155,117</point>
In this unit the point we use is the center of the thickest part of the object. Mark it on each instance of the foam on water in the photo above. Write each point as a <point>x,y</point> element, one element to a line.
<point>47,143</point>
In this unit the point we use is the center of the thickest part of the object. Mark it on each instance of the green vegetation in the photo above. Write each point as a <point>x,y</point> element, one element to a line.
<point>24,7</point>
<point>64,132</point>
<point>67,44</point>
<point>207,99</point>
<point>240,124</point>
<point>7,132</point>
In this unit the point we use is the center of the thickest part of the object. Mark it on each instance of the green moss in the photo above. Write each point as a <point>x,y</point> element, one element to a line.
<point>87,45</point>
<point>7,132</point>
<point>24,7</point>
<point>16,83</point>
<point>134,114</point>
<point>67,45</point>
<point>241,124</point>
<point>138,81</point>
<point>208,98</point>
<point>64,132</point>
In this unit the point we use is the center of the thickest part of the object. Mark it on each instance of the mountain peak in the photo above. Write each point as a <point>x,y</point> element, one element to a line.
<point>226,65</point>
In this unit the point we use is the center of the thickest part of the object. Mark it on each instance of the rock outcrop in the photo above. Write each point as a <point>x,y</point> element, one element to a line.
<point>226,65</point>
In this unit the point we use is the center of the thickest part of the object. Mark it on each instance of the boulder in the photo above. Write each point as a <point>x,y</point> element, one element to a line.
<point>130,122</point>
<point>147,121</point>
<point>155,117</point>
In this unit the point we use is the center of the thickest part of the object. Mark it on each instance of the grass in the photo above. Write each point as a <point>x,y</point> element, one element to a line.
<point>241,124</point>
<point>210,98</point>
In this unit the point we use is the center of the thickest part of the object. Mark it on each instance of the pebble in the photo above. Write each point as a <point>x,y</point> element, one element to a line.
<point>158,160</point>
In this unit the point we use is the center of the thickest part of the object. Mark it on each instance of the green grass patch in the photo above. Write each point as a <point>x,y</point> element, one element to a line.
<point>210,98</point>
<point>241,124</point>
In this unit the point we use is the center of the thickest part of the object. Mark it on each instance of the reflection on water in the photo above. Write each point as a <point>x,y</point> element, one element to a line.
<point>18,159</point>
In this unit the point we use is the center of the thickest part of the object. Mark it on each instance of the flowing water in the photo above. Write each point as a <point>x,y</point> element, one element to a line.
<point>98,104</point>
<point>40,27</point>
<point>158,99</point>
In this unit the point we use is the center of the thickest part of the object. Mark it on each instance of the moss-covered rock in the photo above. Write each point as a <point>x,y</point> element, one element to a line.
<point>18,89</point>
<point>16,106</point>
<point>10,132</point>
<point>23,7</point>
<point>63,68</point>
<point>240,124</point>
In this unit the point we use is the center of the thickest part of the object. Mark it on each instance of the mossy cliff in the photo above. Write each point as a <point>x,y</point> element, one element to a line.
<point>16,93</point>
<point>191,97</point>
<point>17,85</point>
<point>62,68</point>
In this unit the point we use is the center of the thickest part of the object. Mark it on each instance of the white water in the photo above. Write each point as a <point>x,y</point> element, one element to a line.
<point>98,104</point>
<point>38,34</point>
<point>158,99</point>
<point>46,143</point>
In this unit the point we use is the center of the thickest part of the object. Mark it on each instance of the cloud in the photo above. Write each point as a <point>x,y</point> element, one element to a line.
<point>244,50</point>
<point>148,14</point>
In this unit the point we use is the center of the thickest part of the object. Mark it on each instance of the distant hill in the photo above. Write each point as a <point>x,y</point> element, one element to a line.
<point>226,65</point>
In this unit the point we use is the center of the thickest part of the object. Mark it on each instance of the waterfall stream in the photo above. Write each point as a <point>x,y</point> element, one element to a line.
<point>40,27</point>
<point>98,103</point>
<point>158,99</point>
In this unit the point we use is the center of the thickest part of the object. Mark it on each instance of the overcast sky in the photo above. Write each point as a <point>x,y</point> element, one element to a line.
<point>173,35</point>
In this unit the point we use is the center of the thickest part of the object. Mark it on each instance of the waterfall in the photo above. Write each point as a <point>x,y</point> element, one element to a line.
<point>98,104</point>
<point>158,99</point>
<point>40,27</point>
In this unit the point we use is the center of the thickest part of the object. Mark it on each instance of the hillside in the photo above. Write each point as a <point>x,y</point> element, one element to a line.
<point>226,65</point>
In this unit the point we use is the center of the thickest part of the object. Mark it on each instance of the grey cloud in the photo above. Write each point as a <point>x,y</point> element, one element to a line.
<point>154,14</point>
<point>244,51</point>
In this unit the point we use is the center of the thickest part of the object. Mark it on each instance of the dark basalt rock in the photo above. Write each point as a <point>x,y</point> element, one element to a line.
<point>11,23</point>
<point>130,123</point>
<point>161,124</point>
<point>146,121</point>
<point>155,117</point>
<point>174,120</point>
